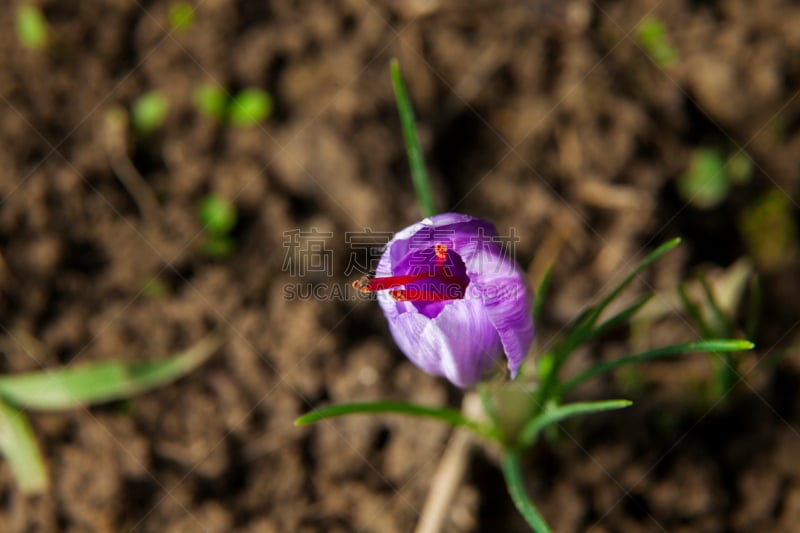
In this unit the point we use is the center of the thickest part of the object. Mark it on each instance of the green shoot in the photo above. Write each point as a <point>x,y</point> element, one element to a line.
<point>705,183</point>
<point>181,16</point>
<point>31,27</point>
<point>451,417</point>
<point>512,472</point>
<point>19,447</point>
<point>711,346</point>
<point>218,217</point>
<point>249,107</point>
<point>149,112</point>
<point>212,101</point>
<point>709,177</point>
<point>415,159</point>
<point>60,389</point>
<point>555,414</point>
<point>82,385</point>
<point>541,294</point>
<point>652,37</point>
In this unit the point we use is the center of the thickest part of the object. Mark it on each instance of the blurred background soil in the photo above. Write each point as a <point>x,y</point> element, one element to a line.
<point>561,120</point>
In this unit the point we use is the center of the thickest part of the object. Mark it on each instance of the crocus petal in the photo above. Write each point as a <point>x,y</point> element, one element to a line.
<point>459,232</point>
<point>507,302</point>
<point>460,344</point>
<point>466,340</point>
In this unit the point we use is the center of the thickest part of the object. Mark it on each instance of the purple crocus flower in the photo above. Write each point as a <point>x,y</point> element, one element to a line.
<point>455,304</point>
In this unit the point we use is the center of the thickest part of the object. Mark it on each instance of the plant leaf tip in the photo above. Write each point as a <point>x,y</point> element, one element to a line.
<point>305,420</point>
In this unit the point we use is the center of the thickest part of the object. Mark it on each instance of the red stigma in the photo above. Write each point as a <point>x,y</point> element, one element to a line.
<point>454,289</point>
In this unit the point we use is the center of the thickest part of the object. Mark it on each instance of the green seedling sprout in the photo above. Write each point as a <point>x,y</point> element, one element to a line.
<point>515,414</point>
<point>218,217</point>
<point>74,387</point>
<point>31,27</point>
<point>652,37</point>
<point>149,112</point>
<point>212,101</point>
<point>181,16</point>
<point>713,321</point>
<point>249,107</point>
<point>705,183</point>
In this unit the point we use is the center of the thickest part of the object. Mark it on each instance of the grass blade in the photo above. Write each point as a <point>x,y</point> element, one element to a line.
<point>694,313</point>
<point>714,345</point>
<point>19,447</point>
<point>582,329</point>
<point>415,160</point>
<point>655,254</point>
<point>450,416</point>
<point>516,488</point>
<point>725,329</point>
<point>551,416</point>
<point>621,317</point>
<point>67,388</point>
<point>541,294</point>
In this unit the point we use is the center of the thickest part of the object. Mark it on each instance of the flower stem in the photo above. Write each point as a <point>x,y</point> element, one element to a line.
<point>516,487</point>
<point>415,160</point>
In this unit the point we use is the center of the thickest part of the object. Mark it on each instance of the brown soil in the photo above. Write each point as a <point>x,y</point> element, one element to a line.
<point>543,116</point>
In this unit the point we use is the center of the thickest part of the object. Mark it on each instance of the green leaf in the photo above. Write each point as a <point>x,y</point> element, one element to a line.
<point>181,16</point>
<point>705,183</point>
<point>621,317</point>
<point>450,416</point>
<point>724,328</point>
<point>211,100</point>
<point>512,473</point>
<point>149,111</point>
<point>652,36</point>
<point>546,366</point>
<point>217,214</point>
<point>694,312</point>
<point>67,388</point>
<point>541,294</point>
<point>651,257</point>
<point>416,161</point>
<point>553,415</point>
<point>582,329</point>
<point>31,27</point>
<point>249,107</point>
<point>18,445</point>
<point>714,345</point>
